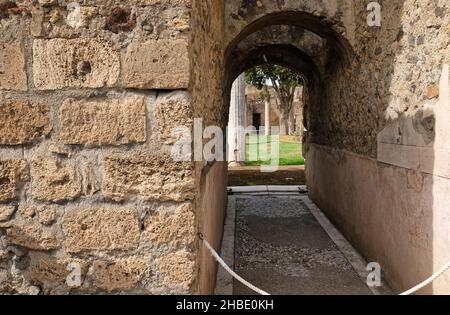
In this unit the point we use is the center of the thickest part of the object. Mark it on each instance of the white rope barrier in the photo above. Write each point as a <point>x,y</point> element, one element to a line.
<point>259,291</point>
<point>428,281</point>
<point>229,270</point>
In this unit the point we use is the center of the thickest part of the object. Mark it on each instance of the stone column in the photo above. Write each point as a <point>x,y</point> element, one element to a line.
<point>237,123</point>
<point>267,116</point>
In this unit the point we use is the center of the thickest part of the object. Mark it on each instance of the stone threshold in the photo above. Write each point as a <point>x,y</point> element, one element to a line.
<point>268,189</point>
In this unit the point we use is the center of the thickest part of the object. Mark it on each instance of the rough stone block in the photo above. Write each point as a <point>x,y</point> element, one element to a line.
<point>6,212</point>
<point>12,174</point>
<point>52,271</point>
<point>76,63</point>
<point>27,211</point>
<point>46,214</point>
<point>103,122</point>
<point>177,271</point>
<point>23,122</point>
<point>156,64</point>
<point>149,177</point>
<point>53,181</point>
<point>32,236</point>
<point>170,113</point>
<point>101,229</point>
<point>172,226</point>
<point>12,67</point>
<point>122,274</point>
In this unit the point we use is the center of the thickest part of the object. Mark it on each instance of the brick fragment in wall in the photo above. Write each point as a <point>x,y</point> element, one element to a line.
<point>54,180</point>
<point>13,173</point>
<point>120,20</point>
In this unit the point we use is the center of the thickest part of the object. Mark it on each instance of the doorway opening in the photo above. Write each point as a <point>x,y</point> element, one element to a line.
<point>264,142</point>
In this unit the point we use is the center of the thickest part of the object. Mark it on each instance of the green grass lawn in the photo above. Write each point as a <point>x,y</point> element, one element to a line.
<point>289,146</point>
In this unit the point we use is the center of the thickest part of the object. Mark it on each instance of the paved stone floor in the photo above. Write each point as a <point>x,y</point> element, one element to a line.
<point>281,248</point>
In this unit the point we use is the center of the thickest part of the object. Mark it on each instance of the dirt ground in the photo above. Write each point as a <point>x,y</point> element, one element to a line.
<point>252,176</point>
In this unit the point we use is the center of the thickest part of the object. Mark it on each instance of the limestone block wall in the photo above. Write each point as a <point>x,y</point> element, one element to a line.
<point>208,91</point>
<point>89,94</point>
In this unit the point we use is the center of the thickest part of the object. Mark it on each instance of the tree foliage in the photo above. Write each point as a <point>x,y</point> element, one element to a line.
<point>277,75</point>
<point>283,80</point>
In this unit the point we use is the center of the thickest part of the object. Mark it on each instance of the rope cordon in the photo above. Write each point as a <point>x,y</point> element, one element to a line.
<point>428,281</point>
<point>262,292</point>
<point>229,270</point>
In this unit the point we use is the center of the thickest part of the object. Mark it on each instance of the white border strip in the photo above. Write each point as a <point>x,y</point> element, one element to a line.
<point>354,258</point>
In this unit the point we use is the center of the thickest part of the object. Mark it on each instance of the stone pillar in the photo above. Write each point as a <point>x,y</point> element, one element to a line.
<point>267,117</point>
<point>237,123</point>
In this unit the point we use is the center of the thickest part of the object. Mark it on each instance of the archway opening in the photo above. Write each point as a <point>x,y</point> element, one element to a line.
<point>266,127</point>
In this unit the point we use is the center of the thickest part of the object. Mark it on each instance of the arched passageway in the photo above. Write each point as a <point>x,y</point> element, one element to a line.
<point>360,178</point>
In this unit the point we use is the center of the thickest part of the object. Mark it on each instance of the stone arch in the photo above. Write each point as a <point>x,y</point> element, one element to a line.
<point>326,18</point>
<point>284,55</point>
<point>308,42</point>
<point>328,52</point>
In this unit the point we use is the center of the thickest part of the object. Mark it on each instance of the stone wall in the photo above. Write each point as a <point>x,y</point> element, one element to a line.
<point>87,185</point>
<point>209,104</point>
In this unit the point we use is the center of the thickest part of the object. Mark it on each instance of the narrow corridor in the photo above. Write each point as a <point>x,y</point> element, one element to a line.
<point>281,247</point>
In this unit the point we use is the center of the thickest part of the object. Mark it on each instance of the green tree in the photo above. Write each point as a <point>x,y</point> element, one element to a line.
<point>284,81</point>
